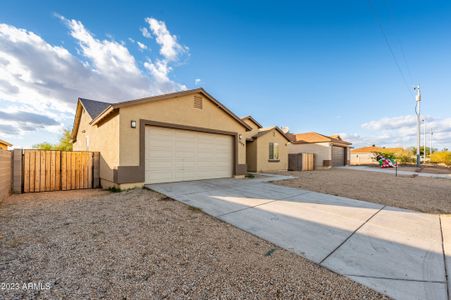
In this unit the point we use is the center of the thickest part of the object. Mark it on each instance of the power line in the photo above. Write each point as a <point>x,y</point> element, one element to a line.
<point>390,48</point>
<point>401,47</point>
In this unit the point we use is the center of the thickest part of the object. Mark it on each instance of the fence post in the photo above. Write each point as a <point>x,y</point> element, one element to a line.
<point>96,170</point>
<point>17,171</point>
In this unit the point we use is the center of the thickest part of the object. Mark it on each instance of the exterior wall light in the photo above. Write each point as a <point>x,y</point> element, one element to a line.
<point>240,137</point>
<point>133,124</point>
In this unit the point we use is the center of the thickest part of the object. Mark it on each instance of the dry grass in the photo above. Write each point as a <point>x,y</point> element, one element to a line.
<point>424,194</point>
<point>140,245</point>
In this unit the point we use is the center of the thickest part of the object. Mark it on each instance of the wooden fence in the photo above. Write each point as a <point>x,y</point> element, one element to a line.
<point>5,174</point>
<point>46,171</point>
<point>301,162</point>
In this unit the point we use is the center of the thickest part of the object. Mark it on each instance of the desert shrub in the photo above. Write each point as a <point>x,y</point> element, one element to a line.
<point>441,157</point>
<point>404,156</point>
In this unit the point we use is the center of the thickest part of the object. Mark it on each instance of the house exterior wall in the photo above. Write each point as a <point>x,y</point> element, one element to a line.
<point>251,156</point>
<point>251,124</point>
<point>322,151</point>
<point>262,153</point>
<point>103,138</point>
<point>180,111</point>
<point>362,158</point>
<point>3,146</point>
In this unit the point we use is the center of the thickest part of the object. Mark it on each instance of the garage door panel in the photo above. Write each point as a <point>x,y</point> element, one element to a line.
<point>179,155</point>
<point>338,156</point>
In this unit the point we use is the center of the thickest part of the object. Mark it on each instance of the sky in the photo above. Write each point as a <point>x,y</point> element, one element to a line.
<point>334,67</point>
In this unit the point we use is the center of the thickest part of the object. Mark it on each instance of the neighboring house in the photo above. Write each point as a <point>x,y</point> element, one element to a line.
<point>180,136</point>
<point>266,148</point>
<point>4,145</point>
<point>329,150</point>
<point>365,155</point>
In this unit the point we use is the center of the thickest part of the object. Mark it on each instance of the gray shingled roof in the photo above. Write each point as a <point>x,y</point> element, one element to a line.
<point>93,107</point>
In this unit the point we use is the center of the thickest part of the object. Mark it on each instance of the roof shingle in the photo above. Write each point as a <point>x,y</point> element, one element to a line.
<point>94,107</point>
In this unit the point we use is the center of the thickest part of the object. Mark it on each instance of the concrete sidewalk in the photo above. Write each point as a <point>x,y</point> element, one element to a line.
<point>392,171</point>
<point>397,252</point>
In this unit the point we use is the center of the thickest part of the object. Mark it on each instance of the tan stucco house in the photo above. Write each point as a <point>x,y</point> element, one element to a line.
<point>329,150</point>
<point>180,136</point>
<point>266,148</point>
<point>4,145</point>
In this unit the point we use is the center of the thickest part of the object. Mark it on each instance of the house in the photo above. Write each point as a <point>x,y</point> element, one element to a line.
<point>266,148</point>
<point>4,145</point>
<point>329,151</point>
<point>180,136</point>
<point>365,155</point>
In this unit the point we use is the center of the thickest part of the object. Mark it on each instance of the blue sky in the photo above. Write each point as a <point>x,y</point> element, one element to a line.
<point>312,66</point>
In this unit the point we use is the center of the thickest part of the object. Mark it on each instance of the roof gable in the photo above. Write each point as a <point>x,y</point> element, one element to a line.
<point>119,105</point>
<point>252,121</point>
<point>314,137</point>
<point>94,107</point>
<point>264,131</point>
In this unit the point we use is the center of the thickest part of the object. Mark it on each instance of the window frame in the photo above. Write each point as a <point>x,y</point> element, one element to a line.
<point>273,152</point>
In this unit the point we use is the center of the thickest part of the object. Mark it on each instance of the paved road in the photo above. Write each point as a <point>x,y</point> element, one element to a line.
<point>392,171</point>
<point>395,251</point>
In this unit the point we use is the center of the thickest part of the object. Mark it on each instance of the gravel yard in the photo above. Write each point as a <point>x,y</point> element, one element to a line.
<point>432,195</point>
<point>139,245</point>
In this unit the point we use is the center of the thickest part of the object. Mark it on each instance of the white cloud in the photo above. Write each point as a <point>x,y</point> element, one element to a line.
<point>197,81</point>
<point>45,79</point>
<point>145,32</point>
<point>170,49</point>
<point>141,46</point>
<point>401,131</point>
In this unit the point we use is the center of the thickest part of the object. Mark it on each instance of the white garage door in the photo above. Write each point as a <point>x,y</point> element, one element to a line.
<point>338,156</point>
<point>179,155</point>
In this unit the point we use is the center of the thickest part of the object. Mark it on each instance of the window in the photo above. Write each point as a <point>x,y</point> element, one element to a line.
<point>197,102</point>
<point>273,151</point>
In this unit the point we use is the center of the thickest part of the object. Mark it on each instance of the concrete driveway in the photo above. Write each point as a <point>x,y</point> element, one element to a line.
<point>397,252</point>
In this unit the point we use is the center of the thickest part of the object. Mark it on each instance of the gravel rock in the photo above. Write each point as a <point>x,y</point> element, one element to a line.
<point>425,194</point>
<point>139,244</point>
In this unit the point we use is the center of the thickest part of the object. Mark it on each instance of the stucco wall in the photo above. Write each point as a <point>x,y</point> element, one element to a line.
<point>263,163</point>
<point>103,138</point>
<point>180,111</point>
<point>362,158</point>
<point>5,174</point>
<point>251,124</point>
<point>322,151</point>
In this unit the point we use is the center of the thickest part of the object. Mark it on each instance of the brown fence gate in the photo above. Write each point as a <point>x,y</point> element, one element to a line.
<point>46,171</point>
<point>301,162</point>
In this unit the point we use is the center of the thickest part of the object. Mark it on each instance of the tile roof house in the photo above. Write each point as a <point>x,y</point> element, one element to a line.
<point>365,155</point>
<point>266,148</point>
<point>4,145</point>
<point>329,150</point>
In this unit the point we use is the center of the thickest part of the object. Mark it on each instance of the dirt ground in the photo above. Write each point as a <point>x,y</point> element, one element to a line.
<point>140,245</point>
<point>432,195</point>
<point>423,169</point>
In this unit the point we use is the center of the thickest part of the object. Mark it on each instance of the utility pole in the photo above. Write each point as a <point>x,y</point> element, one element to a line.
<point>417,110</point>
<point>424,147</point>
<point>430,141</point>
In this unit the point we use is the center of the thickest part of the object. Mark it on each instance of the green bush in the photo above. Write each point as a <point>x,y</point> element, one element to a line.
<point>388,155</point>
<point>401,156</point>
<point>441,157</point>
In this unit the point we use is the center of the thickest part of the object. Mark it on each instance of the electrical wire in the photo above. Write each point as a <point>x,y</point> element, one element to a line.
<point>390,48</point>
<point>401,47</point>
